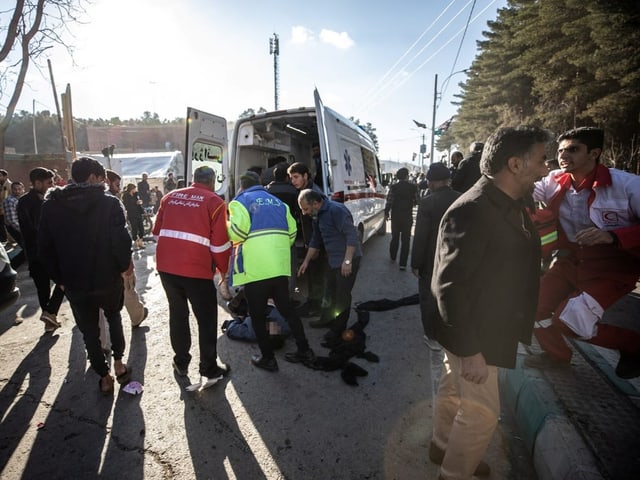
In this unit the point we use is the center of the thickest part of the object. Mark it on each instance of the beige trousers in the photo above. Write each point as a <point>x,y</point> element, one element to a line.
<point>135,309</point>
<point>465,417</point>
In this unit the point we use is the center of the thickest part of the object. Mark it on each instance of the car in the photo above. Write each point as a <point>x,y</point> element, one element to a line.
<point>9,292</point>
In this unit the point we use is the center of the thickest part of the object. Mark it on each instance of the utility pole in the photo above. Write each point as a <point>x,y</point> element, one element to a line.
<point>274,49</point>
<point>433,118</point>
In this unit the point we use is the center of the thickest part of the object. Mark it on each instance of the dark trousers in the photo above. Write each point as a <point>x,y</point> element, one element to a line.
<point>201,294</point>
<point>15,234</point>
<point>428,304</point>
<point>49,300</point>
<point>85,307</point>
<point>137,227</point>
<point>339,288</point>
<point>400,236</point>
<point>257,294</point>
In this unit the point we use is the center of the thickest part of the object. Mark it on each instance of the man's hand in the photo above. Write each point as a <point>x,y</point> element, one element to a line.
<point>593,236</point>
<point>474,369</point>
<point>416,272</point>
<point>346,270</point>
<point>303,268</point>
<point>129,271</point>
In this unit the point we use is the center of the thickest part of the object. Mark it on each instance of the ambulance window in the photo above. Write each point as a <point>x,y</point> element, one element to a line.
<point>370,169</point>
<point>204,154</point>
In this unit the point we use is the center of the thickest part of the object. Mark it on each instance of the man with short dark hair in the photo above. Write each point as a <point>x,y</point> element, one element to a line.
<point>144,190</point>
<point>334,230</point>
<point>598,212</point>
<point>29,207</point>
<point>468,171</point>
<point>10,207</point>
<point>485,282</point>
<point>263,230</point>
<point>5,190</point>
<point>84,243</point>
<point>402,197</point>
<point>191,228</point>
<point>300,176</point>
<point>456,158</point>
<point>169,183</point>
<point>430,212</point>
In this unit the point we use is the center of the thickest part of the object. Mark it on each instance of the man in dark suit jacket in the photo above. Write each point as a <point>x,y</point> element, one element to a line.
<point>468,170</point>
<point>430,212</point>
<point>485,282</point>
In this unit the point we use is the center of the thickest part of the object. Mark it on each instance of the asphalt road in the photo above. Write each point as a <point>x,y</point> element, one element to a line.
<point>294,424</point>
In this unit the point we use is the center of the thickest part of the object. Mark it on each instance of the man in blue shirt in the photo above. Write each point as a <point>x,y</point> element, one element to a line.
<point>334,230</point>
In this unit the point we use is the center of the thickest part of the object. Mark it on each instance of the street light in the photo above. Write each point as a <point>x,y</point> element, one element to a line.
<point>435,106</point>
<point>423,147</point>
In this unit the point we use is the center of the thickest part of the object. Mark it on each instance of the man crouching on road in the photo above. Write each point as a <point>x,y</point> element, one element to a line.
<point>263,231</point>
<point>191,230</point>
<point>485,281</point>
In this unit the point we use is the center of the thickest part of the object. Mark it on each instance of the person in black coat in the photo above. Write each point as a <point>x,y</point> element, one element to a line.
<point>430,212</point>
<point>485,281</point>
<point>84,243</point>
<point>401,199</point>
<point>468,170</point>
<point>29,206</point>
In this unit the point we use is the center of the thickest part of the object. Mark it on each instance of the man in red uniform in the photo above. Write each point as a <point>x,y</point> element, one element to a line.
<point>191,230</point>
<point>598,209</point>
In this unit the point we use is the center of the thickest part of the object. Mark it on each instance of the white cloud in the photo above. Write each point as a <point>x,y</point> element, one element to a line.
<point>340,40</point>
<point>301,35</point>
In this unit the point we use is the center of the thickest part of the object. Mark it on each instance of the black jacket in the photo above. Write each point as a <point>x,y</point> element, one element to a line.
<point>401,199</point>
<point>83,239</point>
<point>467,173</point>
<point>430,212</point>
<point>486,275</point>
<point>29,206</point>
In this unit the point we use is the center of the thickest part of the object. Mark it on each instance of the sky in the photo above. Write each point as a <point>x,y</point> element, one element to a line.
<point>373,60</point>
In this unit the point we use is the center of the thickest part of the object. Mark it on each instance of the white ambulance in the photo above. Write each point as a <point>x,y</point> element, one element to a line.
<point>350,167</point>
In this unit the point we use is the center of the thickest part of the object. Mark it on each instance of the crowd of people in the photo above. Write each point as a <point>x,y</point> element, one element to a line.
<point>476,253</point>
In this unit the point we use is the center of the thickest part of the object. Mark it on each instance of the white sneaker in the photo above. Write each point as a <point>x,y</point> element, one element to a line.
<point>432,344</point>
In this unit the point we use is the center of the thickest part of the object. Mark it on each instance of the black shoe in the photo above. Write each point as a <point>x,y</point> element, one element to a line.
<point>269,364</point>
<point>300,357</point>
<point>180,371</point>
<point>220,371</point>
<point>628,366</point>
<point>543,361</point>
<point>436,455</point>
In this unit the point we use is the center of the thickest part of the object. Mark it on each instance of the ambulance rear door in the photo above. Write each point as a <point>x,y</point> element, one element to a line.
<point>207,144</point>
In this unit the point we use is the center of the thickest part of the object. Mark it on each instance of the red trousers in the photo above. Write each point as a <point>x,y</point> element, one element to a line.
<point>602,272</point>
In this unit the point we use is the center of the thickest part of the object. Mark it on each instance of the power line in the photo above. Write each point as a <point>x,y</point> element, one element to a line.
<point>383,96</point>
<point>388,84</point>
<point>453,67</point>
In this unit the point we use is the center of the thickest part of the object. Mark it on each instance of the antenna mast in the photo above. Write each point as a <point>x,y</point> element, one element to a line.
<point>274,49</point>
